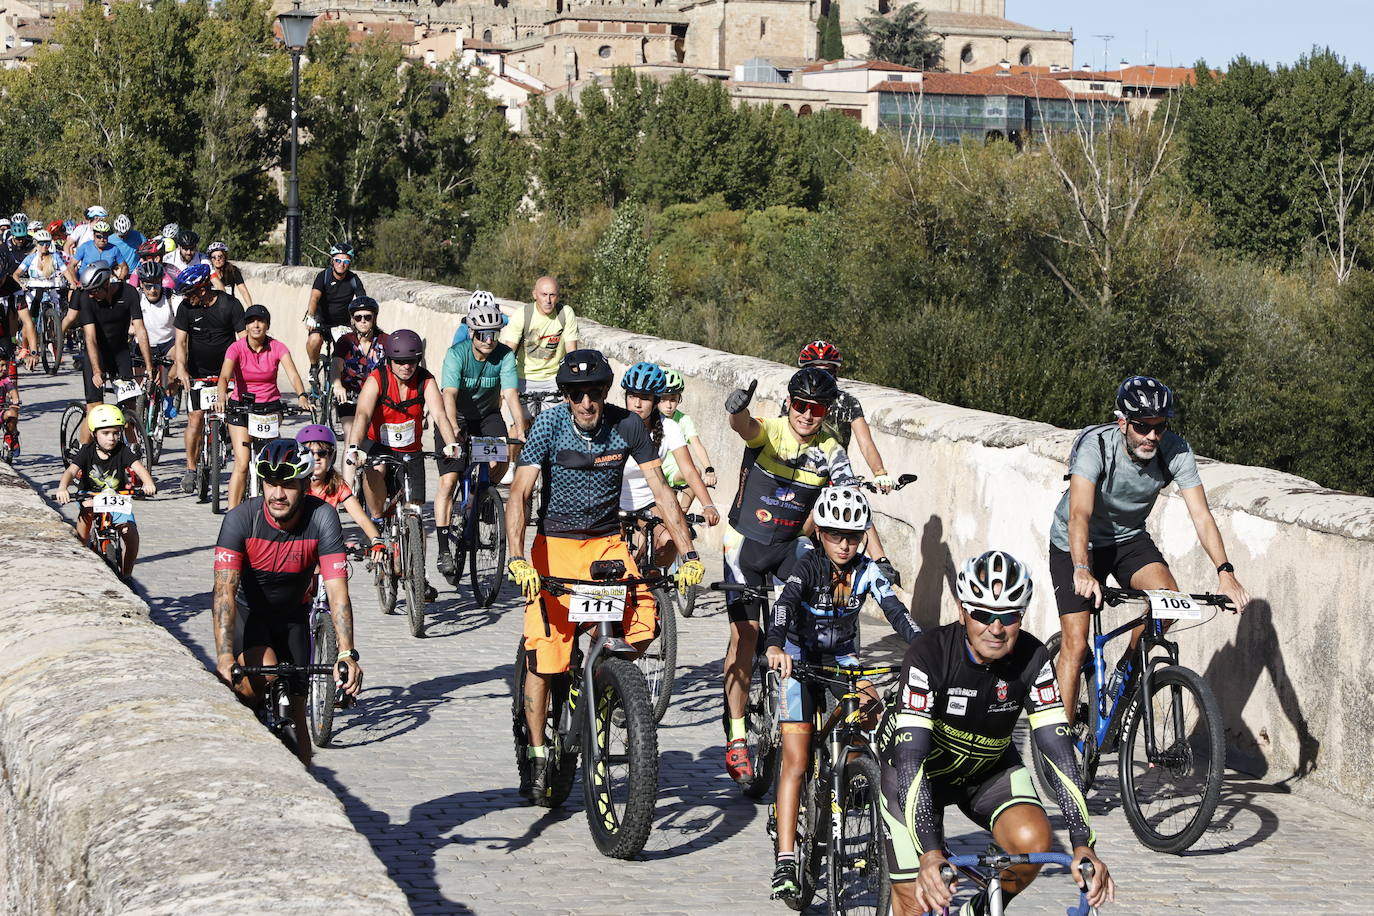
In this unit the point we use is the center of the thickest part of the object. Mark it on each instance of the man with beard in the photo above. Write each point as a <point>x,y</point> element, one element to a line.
<point>1116,472</point>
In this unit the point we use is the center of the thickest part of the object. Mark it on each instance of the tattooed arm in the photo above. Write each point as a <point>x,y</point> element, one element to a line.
<point>225,613</point>
<point>341,609</point>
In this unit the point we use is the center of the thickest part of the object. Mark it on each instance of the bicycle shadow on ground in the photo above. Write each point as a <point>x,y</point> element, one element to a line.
<point>1240,821</point>
<point>174,612</point>
<point>697,697</point>
<point>458,615</point>
<point>698,806</point>
<point>408,849</point>
<point>383,713</point>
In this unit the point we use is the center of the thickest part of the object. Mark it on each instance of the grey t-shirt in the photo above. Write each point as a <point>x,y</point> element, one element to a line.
<point>1126,489</point>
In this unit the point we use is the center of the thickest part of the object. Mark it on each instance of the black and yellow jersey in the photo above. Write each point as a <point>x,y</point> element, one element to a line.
<point>780,479</point>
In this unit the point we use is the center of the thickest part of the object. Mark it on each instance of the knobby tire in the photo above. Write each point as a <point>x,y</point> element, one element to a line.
<point>319,702</point>
<point>621,788</point>
<point>858,880</point>
<point>658,664</point>
<point>488,551</point>
<point>413,542</point>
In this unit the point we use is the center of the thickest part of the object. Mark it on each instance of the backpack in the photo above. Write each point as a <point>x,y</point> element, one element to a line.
<point>1096,430</point>
<point>527,317</point>
<point>408,403</point>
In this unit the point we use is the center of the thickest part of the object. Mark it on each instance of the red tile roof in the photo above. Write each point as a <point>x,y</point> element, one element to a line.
<point>828,66</point>
<point>977,84</point>
<point>1139,75</point>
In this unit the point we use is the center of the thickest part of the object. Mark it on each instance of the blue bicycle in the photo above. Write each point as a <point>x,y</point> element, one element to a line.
<point>1160,717</point>
<point>479,505</point>
<point>985,870</point>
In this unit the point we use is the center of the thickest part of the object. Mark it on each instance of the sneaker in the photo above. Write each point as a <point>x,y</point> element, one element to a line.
<point>737,760</point>
<point>188,480</point>
<point>446,564</point>
<point>431,593</point>
<point>785,884</point>
<point>536,785</point>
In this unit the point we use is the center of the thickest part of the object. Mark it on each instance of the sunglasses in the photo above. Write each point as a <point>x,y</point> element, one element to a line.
<point>364,316</point>
<point>344,261</point>
<point>485,336</point>
<point>405,362</point>
<point>99,236</point>
<point>150,287</point>
<point>576,393</point>
<point>811,407</point>
<point>322,452</point>
<point>849,537</point>
<point>1144,429</point>
<point>988,618</point>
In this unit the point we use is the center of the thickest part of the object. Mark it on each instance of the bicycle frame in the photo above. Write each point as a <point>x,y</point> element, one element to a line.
<point>1142,670</point>
<point>997,862</point>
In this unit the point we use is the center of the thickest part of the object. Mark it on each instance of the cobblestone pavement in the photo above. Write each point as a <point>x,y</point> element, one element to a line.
<point>424,766</point>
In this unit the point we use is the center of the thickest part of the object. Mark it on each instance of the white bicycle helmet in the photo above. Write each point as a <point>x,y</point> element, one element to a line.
<point>995,580</point>
<point>122,223</point>
<point>842,509</point>
<point>95,211</point>
<point>35,225</point>
<point>483,312</point>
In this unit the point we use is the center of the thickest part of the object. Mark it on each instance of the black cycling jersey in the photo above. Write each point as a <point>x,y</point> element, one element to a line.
<point>278,564</point>
<point>952,725</point>
<point>336,294</point>
<point>808,614</point>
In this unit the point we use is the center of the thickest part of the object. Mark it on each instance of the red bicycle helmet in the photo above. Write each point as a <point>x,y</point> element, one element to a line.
<point>819,353</point>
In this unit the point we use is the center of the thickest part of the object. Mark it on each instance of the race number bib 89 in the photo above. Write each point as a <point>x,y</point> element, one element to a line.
<point>110,502</point>
<point>125,390</point>
<point>489,449</point>
<point>1171,605</point>
<point>263,426</point>
<point>399,435</point>
<point>596,603</point>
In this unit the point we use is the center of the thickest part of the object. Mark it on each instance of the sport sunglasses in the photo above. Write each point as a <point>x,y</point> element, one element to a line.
<point>811,407</point>
<point>1144,429</point>
<point>987,618</point>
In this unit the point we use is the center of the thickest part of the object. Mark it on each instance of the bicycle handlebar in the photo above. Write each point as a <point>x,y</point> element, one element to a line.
<point>756,592</point>
<point>848,672</point>
<point>902,481</point>
<point>237,672</point>
<point>1115,596</point>
<point>558,585</point>
<point>1001,860</point>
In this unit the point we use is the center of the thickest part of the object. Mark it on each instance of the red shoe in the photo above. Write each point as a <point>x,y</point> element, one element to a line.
<point>737,760</point>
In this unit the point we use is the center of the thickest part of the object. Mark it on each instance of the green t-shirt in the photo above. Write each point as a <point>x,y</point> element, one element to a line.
<point>671,473</point>
<point>479,382</point>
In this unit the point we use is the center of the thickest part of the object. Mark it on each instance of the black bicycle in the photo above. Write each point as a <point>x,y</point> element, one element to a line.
<point>156,423</point>
<point>47,310</point>
<point>1162,718</point>
<point>403,534</point>
<point>601,713</point>
<point>275,711</point>
<point>478,503</point>
<point>761,731</point>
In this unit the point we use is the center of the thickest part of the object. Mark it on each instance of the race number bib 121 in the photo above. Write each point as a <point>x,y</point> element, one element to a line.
<point>489,449</point>
<point>1170,605</point>
<point>125,391</point>
<point>596,603</point>
<point>206,398</point>
<point>110,502</point>
<point>263,425</point>
<point>399,435</point>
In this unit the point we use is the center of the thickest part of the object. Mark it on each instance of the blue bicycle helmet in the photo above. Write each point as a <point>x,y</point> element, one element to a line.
<point>644,378</point>
<point>195,277</point>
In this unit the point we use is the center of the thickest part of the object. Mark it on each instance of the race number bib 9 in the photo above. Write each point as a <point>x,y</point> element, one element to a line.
<point>596,603</point>
<point>263,426</point>
<point>111,503</point>
<point>489,449</point>
<point>1170,605</point>
<point>125,390</point>
<point>398,435</point>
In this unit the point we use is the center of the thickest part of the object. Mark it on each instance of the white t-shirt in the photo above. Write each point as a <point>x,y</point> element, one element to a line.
<point>157,318</point>
<point>80,235</point>
<point>634,489</point>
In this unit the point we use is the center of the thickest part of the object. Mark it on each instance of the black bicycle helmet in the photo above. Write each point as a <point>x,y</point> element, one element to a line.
<point>812,384</point>
<point>363,304</point>
<point>285,460</point>
<point>188,238</point>
<point>257,312</point>
<point>151,272</point>
<point>404,344</point>
<point>584,367</point>
<point>1142,396</point>
<point>95,275</point>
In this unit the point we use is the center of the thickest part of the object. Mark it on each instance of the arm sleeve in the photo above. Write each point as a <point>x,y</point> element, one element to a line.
<point>1087,461</point>
<point>1183,465</point>
<point>904,742</point>
<point>688,426</point>
<point>1048,726</point>
<point>788,601</point>
<point>320,280</point>
<point>87,310</point>
<point>230,546</point>
<point>333,559</point>
<point>637,440</point>
<point>892,606</point>
<point>135,305</point>
<point>840,468</point>
<point>538,441</point>
<point>182,319</point>
<point>510,335</point>
<point>570,326</point>
<point>236,314</point>
<point>449,376</point>
<point>763,433</point>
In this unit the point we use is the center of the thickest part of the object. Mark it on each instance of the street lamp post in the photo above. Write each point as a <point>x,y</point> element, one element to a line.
<point>295,31</point>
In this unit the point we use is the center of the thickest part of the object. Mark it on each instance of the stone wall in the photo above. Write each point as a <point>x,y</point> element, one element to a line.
<point>1293,673</point>
<point>131,781</point>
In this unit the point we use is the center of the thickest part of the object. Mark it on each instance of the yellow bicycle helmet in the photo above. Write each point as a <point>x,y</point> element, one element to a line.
<point>105,416</point>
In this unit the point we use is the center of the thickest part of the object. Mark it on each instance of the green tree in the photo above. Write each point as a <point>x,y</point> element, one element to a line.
<point>832,42</point>
<point>628,290</point>
<point>903,38</point>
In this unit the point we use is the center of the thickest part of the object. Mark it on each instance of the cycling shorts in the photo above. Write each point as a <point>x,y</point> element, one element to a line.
<point>982,802</point>
<point>415,468</point>
<point>1120,561</point>
<point>237,414</point>
<point>289,641</point>
<point>749,562</point>
<point>490,425</point>
<point>549,635</point>
<point>799,701</point>
<point>112,366</point>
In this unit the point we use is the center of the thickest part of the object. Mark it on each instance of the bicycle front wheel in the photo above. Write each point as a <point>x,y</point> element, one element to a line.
<point>384,575</point>
<point>413,552</point>
<point>213,475</point>
<point>69,436</point>
<point>1170,794</point>
<point>488,554</point>
<point>50,341</point>
<point>154,426</point>
<point>658,664</point>
<point>620,761</point>
<point>761,731</point>
<point>858,878</point>
<point>1085,723</point>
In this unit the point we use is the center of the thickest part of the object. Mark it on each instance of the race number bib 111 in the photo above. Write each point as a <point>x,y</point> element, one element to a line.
<point>263,425</point>
<point>489,449</point>
<point>596,603</point>
<point>1170,605</point>
<point>112,503</point>
<point>125,391</point>
<point>399,435</point>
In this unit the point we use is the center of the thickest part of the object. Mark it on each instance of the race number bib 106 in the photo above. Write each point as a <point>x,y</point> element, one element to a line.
<point>1170,605</point>
<point>125,391</point>
<point>110,502</point>
<point>263,425</point>
<point>596,603</point>
<point>399,435</point>
<point>489,449</point>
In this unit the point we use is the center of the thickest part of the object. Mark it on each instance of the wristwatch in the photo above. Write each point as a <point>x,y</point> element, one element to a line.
<point>1226,567</point>
<point>691,555</point>
<point>351,653</point>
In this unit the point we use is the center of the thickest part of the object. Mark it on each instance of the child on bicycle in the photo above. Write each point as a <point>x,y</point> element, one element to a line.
<point>106,463</point>
<point>668,402</point>
<point>327,483</point>
<point>815,620</point>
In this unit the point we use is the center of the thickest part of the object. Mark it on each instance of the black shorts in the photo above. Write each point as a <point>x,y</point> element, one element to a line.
<point>1120,561</point>
<point>415,469</point>
<point>237,413</point>
<point>756,563</point>
<point>493,425</point>
<point>112,366</point>
<point>290,641</point>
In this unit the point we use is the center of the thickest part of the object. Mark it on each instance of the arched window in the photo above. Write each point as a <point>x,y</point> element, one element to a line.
<point>486,35</point>
<point>966,55</point>
<point>1026,57</point>
<point>803,111</point>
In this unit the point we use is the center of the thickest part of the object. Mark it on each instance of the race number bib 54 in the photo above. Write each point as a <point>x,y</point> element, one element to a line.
<point>489,449</point>
<point>112,503</point>
<point>399,435</point>
<point>263,426</point>
<point>596,603</point>
<point>1170,605</point>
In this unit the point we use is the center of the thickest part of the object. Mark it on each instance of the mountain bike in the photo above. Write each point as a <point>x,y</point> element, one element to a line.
<point>275,712</point>
<point>132,400</point>
<point>47,321</point>
<point>535,402</point>
<point>321,694</point>
<point>103,537</point>
<point>839,826</point>
<point>214,443</point>
<point>69,430</point>
<point>762,736</point>
<point>659,661</point>
<point>479,505</point>
<point>403,534</point>
<point>600,712</point>
<point>1162,718</point>
<point>325,409</point>
<point>155,420</point>
<point>985,871</point>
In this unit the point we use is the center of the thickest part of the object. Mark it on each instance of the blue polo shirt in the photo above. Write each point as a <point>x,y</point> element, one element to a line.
<point>87,253</point>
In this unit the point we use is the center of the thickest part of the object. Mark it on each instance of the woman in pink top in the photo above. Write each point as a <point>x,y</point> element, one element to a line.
<point>255,410</point>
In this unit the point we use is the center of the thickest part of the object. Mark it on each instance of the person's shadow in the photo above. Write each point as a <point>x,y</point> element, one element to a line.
<point>1234,672</point>
<point>935,575</point>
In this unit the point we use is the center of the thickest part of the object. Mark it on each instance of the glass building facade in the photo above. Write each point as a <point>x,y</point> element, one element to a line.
<point>949,118</point>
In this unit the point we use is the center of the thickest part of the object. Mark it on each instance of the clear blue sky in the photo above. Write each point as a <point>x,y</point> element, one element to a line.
<point>1217,30</point>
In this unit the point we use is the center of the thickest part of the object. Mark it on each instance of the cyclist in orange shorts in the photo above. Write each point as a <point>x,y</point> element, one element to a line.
<point>581,449</point>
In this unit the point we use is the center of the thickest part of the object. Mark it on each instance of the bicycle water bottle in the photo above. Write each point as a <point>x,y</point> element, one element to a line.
<point>1118,678</point>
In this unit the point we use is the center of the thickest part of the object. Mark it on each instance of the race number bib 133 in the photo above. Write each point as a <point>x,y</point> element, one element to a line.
<point>596,603</point>
<point>489,449</point>
<point>263,425</point>
<point>1170,605</point>
<point>399,435</point>
<point>110,502</point>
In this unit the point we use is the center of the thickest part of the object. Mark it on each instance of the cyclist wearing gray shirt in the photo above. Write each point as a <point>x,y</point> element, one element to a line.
<point>1116,473</point>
